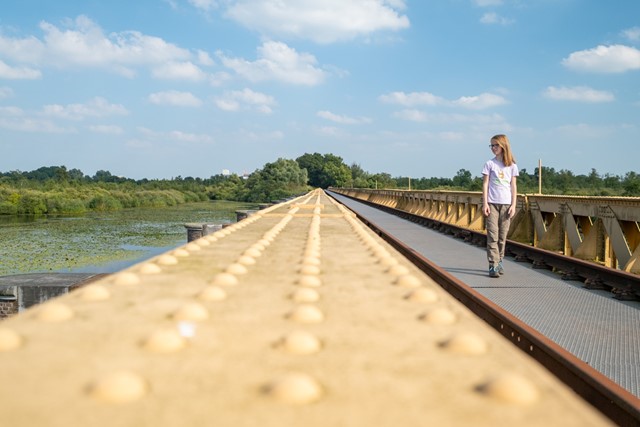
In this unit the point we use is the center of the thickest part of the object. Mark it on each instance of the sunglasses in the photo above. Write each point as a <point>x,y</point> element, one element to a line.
<point>494,145</point>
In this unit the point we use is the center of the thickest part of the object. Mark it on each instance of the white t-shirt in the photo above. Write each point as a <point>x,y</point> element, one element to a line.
<point>499,191</point>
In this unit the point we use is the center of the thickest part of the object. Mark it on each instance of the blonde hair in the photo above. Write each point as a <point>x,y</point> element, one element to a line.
<point>507,155</point>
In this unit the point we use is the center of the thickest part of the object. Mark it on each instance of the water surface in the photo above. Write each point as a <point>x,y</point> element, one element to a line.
<point>101,242</point>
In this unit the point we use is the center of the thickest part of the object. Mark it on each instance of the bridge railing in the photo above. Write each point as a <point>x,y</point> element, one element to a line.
<point>603,230</point>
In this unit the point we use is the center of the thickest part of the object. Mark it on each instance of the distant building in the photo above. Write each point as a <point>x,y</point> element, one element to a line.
<point>225,172</point>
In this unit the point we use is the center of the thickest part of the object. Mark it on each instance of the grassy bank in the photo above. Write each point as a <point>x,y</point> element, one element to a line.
<point>89,198</point>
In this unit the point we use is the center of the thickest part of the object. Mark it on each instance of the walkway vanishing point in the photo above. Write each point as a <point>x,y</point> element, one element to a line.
<point>298,315</point>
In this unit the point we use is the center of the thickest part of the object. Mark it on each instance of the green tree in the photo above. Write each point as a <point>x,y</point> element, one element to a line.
<point>383,180</point>
<point>463,179</point>
<point>527,183</point>
<point>222,187</point>
<point>280,179</point>
<point>565,180</point>
<point>314,164</point>
<point>359,178</point>
<point>103,176</point>
<point>76,175</point>
<point>325,171</point>
<point>631,184</point>
<point>62,175</point>
<point>594,180</point>
<point>336,173</point>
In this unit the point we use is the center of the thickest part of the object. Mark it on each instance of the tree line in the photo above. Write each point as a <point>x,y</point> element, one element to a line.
<point>58,190</point>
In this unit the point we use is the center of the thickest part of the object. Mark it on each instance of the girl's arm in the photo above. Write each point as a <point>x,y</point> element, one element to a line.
<point>514,197</point>
<point>485,191</point>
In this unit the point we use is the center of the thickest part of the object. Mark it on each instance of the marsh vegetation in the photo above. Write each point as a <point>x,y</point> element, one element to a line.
<point>101,241</point>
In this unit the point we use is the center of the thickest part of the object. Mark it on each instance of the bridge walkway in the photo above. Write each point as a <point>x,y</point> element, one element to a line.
<point>298,315</point>
<point>602,331</point>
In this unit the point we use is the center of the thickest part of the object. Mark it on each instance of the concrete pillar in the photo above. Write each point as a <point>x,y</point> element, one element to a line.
<point>8,306</point>
<point>240,215</point>
<point>194,231</point>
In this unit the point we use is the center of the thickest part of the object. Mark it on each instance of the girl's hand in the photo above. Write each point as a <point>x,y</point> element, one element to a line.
<point>486,210</point>
<point>511,211</point>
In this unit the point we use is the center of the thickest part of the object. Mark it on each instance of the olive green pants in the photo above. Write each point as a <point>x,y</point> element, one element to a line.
<point>497,225</point>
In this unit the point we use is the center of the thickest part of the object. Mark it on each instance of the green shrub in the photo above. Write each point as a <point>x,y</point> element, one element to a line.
<point>32,203</point>
<point>105,203</point>
<point>7,208</point>
<point>64,204</point>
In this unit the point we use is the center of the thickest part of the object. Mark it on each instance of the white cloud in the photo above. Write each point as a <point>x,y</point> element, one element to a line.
<point>277,61</point>
<point>331,131</point>
<point>29,50</point>
<point>11,111</point>
<point>478,102</point>
<point>18,73</point>
<point>227,104</point>
<point>220,78</point>
<point>179,71</point>
<point>396,4</point>
<point>450,136</point>
<point>175,98</point>
<point>170,136</point>
<point>83,44</point>
<point>414,115</point>
<point>97,107</point>
<point>345,120</point>
<point>604,59</point>
<point>412,99</point>
<point>189,137</point>
<point>204,5</point>
<point>578,93</point>
<point>246,99</point>
<point>492,18</point>
<point>205,59</point>
<point>139,144</point>
<point>582,131</point>
<point>632,34</point>
<point>248,135</point>
<point>488,3</point>
<point>5,92</point>
<point>324,21</point>
<point>106,129</point>
<point>21,123</point>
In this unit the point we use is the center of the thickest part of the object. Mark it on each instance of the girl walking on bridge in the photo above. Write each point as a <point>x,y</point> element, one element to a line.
<point>499,195</point>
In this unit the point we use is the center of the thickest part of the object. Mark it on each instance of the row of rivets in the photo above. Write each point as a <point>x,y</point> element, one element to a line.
<point>175,339</point>
<point>124,386</point>
<point>297,387</point>
<point>510,387</point>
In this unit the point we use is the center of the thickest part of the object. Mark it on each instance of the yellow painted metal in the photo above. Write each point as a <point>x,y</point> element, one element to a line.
<point>521,229</point>
<point>298,315</point>
<point>618,219</point>
<point>553,239</point>
<point>633,266</point>
<point>588,249</point>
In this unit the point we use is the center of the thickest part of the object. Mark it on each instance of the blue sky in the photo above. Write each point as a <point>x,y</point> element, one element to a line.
<point>166,88</point>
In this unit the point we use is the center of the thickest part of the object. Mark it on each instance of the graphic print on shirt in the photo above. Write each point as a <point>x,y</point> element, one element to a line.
<point>500,180</point>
